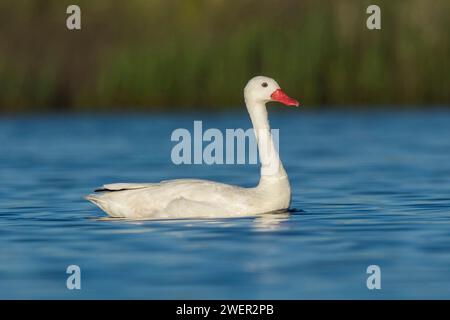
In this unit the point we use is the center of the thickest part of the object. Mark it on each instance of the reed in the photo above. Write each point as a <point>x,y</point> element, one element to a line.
<point>166,55</point>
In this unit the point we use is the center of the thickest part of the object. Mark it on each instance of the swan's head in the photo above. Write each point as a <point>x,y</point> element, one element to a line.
<point>263,89</point>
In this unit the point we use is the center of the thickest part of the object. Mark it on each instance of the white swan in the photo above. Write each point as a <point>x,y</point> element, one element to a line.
<point>189,198</point>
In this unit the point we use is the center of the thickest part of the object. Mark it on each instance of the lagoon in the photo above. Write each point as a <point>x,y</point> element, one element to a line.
<point>369,188</point>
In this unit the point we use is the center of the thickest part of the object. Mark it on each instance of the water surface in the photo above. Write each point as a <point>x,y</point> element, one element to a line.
<point>368,188</point>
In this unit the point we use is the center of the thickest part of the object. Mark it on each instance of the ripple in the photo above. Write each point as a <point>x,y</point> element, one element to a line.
<point>365,191</point>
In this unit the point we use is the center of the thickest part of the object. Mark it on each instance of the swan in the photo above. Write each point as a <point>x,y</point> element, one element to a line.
<point>192,198</point>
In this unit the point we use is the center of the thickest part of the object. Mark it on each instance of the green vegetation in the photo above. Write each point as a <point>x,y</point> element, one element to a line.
<point>185,54</point>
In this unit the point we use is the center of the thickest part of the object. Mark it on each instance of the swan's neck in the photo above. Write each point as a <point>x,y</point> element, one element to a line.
<point>271,166</point>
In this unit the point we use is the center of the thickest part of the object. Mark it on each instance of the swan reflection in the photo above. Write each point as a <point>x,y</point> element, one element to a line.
<point>270,221</point>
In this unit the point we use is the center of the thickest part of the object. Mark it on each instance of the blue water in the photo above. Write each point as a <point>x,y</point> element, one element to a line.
<point>368,189</point>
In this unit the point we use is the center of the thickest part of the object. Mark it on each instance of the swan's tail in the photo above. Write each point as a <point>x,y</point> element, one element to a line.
<point>93,198</point>
<point>103,202</point>
<point>97,200</point>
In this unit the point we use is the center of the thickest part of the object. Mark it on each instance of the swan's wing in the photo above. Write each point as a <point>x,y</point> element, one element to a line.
<point>182,207</point>
<point>175,198</point>
<point>182,181</point>
<point>133,186</point>
<point>123,186</point>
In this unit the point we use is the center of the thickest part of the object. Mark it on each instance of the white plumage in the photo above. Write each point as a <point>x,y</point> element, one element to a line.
<point>191,198</point>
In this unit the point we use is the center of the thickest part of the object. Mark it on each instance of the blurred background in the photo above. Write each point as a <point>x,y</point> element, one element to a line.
<point>198,54</point>
<point>367,187</point>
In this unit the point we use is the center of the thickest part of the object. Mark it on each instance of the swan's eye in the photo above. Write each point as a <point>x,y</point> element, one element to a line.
<point>264,84</point>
